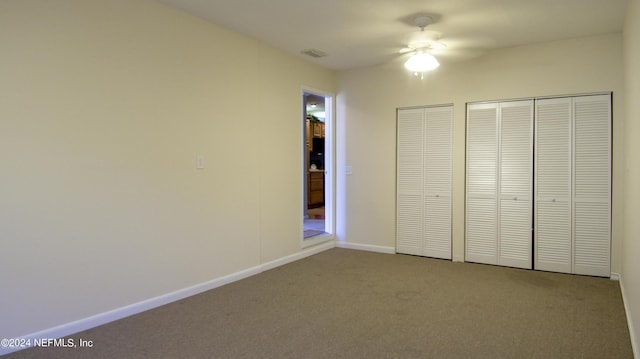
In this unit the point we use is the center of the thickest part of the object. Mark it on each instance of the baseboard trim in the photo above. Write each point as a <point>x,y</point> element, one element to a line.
<point>306,252</point>
<point>151,303</point>
<point>366,247</point>
<point>632,332</point>
<point>615,276</point>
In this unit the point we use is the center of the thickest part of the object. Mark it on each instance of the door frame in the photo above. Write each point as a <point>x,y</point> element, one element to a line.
<point>329,166</point>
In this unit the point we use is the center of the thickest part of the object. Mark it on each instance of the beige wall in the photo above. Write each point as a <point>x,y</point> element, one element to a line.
<point>369,98</point>
<point>631,244</point>
<point>104,106</point>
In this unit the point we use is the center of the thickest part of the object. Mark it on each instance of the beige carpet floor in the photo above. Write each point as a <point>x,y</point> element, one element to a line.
<point>353,304</point>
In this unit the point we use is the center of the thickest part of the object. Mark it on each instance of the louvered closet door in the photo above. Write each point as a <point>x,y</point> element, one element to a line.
<point>437,188</point>
<point>481,243</point>
<point>573,185</point>
<point>552,240</point>
<point>515,184</point>
<point>592,185</point>
<point>424,182</point>
<point>410,182</point>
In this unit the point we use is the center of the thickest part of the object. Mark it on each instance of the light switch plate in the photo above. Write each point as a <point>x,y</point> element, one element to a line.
<point>200,162</point>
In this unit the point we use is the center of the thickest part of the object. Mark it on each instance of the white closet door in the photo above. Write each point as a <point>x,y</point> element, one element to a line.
<point>424,182</point>
<point>552,239</point>
<point>573,185</point>
<point>482,183</point>
<point>592,185</point>
<point>410,179</point>
<point>515,184</point>
<point>437,189</point>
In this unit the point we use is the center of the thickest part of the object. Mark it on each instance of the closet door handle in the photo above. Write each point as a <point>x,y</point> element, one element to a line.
<point>553,200</point>
<point>515,198</point>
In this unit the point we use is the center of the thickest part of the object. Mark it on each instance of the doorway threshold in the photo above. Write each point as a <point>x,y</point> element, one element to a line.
<point>308,233</point>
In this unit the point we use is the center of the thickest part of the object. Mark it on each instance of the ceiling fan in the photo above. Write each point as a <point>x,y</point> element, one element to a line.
<point>421,48</point>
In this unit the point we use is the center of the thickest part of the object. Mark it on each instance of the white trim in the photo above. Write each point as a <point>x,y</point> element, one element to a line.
<point>535,98</point>
<point>614,276</point>
<point>608,93</point>
<point>297,256</point>
<point>426,106</point>
<point>632,332</point>
<point>366,247</point>
<point>139,307</point>
<point>316,240</point>
<point>330,184</point>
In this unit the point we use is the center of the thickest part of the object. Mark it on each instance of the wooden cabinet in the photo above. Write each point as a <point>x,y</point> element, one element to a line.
<point>318,129</point>
<point>315,188</point>
<point>315,129</point>
<point>315,178</point>
<point>308,133</point>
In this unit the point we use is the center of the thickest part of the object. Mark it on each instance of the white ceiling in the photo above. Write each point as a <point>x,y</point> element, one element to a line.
<point>359,33</point>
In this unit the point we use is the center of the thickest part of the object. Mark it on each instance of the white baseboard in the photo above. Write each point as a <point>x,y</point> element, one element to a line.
<point>139,307</point>
<point>306,252</point>
<point>632,332</point>
<point>615,276</point>
<point>366,247</point>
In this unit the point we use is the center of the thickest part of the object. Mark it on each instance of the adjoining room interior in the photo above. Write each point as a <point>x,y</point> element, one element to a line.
<point>154,154</point>
<point>314,165</point>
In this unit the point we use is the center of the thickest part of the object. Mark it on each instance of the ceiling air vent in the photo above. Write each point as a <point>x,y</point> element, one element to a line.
<point>314,53</point>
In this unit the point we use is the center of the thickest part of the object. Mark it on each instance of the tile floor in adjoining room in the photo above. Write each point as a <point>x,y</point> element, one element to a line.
<point>314,224</point>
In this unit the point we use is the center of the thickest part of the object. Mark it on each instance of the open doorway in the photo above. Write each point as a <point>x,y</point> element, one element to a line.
<point>317,165</point>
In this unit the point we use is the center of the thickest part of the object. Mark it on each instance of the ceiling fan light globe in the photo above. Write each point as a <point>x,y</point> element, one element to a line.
<point>421,62</point>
